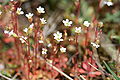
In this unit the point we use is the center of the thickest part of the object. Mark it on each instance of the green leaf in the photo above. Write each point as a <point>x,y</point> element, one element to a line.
<point>112,17</point>
<point>114,75</point>
<point>4,2</point>
<point>12,66</point>
<point>5,73</point>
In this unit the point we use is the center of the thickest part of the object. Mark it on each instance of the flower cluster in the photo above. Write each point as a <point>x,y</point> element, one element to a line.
<point>30,15</point>
<point>35,42</point>
<point>58,36</point>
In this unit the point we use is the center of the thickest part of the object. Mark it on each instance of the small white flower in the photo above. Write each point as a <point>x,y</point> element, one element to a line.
<point>95,45</point>
<point>49,45</point>
<point>41,41</point>
<point>86,23</point>
<point>6,32</point>
<point>11,0</point>
<point>19,11</point>
<point>58,36</point>
<point>22,39</point>
<point>10,33</point>
<point>0,12</point>
<point>67,22</point>
<point>77,29</point>
<point>31,26</point>
<point>109,3</point>
<point>44,51</point>
<point>29,15</point>
<point>25,30</point>
<point>40,10</point>
<point>43,21</point>
<point>62,49</point>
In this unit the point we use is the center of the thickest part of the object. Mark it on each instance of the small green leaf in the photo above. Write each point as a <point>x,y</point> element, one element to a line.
<point>5,73</point>
<point>12,66</point>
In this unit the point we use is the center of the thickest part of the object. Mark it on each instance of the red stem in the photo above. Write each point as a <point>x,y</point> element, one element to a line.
<point>86,42</point>
<point>77,44</point>
<point>36,45</point>
<point>15,28</point>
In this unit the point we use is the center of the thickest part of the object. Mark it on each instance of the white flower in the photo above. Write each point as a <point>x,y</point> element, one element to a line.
<point>62,49</point>
<point>67,22</point>
<point>29,15</point>
<point>10,33</point>
<point>43,21</point>
<point>31,26</point>
<point>41,41</point>
<point>58,36</point>
<point>22,39</point>
<point>25,30</point>
<point>6,32</point>
<point>86,23</point>
<point>109,3</point>
<point>95,45</point>
<point>77,29</point>
<point>44,51</point>
<point>40,10</point>
<point>49,45</point>
<point>19,11</point>
<point>0,12</point>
